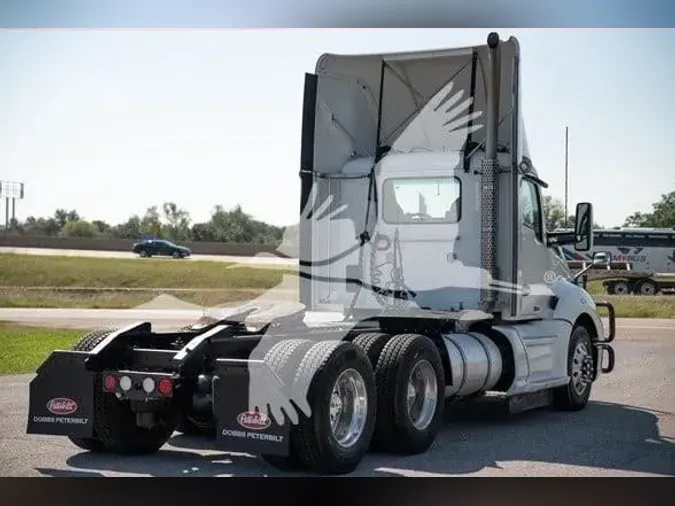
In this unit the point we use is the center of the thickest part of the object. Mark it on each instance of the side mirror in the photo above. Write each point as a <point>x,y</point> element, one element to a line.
<point>583,227</point>
<point>602,258</point>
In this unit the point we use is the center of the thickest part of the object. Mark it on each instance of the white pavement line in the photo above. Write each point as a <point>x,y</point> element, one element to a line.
<point>645,327</point>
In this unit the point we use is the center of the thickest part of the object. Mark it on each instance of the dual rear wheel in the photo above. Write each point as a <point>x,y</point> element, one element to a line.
<point>378,391</point>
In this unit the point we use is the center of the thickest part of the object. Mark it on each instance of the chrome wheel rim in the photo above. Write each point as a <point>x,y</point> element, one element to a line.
<point>422,394</point>
<point>582,368</point>
<point>348,408</point>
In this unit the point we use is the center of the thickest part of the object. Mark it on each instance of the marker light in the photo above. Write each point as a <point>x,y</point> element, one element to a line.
<point>148,385</point>
<point>165,387</point>
<point>110,382</point>
<point>125,383</point>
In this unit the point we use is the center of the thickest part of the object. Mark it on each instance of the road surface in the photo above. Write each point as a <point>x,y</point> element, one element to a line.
<point>259,260</point>
<point>628,429</point>
<point>91,318</point>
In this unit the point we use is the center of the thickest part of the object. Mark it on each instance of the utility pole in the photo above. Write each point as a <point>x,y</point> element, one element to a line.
<point>566,171</point>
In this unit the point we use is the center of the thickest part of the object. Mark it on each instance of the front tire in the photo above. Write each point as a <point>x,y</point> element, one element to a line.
<point>574,396</point>
<point>411,395</point>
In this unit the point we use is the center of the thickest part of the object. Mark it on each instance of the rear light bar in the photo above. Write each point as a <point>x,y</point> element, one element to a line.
<point>138,385</point>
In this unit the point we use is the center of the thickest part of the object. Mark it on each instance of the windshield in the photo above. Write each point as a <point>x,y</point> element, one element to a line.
<point>421,200</point>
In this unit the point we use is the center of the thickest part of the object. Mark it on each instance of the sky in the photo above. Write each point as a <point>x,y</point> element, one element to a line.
<point>112,122</point>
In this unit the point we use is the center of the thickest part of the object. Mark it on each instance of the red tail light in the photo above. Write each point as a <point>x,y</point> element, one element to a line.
<point>165,387</point>
<point>110,382</point>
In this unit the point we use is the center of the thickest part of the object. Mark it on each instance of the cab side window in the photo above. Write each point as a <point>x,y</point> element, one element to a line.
<point>531,208</point>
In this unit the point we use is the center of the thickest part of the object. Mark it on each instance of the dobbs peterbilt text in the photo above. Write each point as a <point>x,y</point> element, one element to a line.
<point>252,435</point>
<point>60,419</point>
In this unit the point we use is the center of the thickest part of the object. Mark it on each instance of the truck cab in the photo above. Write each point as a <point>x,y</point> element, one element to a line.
<point>427,214</point>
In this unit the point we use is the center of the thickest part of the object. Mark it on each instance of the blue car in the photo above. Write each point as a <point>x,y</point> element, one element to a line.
<point>160,247</point>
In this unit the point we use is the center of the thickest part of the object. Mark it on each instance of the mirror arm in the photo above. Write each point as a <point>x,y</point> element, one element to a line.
<point>558,238</point>
<point>583,271</point>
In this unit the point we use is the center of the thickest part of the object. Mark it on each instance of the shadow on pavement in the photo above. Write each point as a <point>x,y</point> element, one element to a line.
<point>166,463</point>
<point>476,437</point>
<point>605,435</point>
<point>67,473</point>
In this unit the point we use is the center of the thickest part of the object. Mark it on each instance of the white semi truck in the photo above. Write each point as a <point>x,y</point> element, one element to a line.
<point>426,274</point>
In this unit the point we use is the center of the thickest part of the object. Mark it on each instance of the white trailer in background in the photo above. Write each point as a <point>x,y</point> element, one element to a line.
<point>642,260</point>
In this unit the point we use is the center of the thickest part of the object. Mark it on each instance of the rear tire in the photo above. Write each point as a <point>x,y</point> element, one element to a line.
<point>284,358</point>
<point>619,288</point>
<point>314,440</point>
<point>90,445</point>
<point>192,427</point>
<point>647,288</point>
<point>115,426</point>
<point>574,397</point>
<point>404,426</point>
<point>87,343</point>
<point>372,344</point>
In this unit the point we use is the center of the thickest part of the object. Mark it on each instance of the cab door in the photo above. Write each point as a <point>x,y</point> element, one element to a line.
<point>537,271</point>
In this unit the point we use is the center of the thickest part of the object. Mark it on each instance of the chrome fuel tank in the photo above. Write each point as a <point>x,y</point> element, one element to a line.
<point>475,363</point>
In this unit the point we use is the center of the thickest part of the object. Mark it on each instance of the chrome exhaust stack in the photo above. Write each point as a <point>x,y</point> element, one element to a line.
<point>490,173</point>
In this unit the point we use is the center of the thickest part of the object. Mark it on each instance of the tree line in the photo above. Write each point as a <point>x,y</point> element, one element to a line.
<point>235,226</point>
<point>166,222</point>
<point>661,216</point>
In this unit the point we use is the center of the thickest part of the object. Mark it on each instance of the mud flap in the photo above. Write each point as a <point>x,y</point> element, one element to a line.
<point>240,430</point>
<point>61,396</point>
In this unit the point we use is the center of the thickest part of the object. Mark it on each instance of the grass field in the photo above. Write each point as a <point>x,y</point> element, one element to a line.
<point>116,299</point>
<point>29,281</point>
<point>639,306</point>
<point>54,271</point>
<point>25,348</point>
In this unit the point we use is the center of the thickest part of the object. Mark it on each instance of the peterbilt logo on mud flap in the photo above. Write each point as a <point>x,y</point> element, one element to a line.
<point>62,406</point>
<point>253,420</point>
